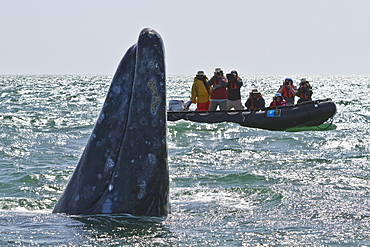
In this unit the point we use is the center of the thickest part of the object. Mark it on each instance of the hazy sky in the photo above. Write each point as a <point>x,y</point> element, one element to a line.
<point>253,36</point>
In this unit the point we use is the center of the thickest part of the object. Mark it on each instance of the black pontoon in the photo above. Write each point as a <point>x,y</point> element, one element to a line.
<point>305,114</point>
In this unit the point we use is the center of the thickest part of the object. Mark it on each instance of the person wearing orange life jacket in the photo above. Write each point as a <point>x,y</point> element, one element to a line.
<point>288,91</point>
<point>233,91</point>
<point>219,93</point>
<point>200,92</point>
<point>304,91</point>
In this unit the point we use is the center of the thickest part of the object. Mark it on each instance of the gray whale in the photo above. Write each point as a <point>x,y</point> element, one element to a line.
<point>124,168</point>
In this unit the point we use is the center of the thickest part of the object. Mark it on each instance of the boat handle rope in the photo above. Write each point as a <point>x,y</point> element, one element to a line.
<point>331,122</point>
<point>245,117</point>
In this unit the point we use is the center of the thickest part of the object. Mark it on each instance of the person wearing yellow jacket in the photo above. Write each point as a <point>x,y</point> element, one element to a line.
<point>200,92</point>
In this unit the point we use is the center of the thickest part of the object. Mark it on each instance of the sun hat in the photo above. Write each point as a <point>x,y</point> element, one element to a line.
<point>304,80</point>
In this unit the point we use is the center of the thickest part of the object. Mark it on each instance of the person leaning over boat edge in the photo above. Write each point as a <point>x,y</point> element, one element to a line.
<point>219,93</point>
<point>233,91</point>
<point>288,91</point>
<point>200,92</point>
<point>255,100</point>
<point>304,91</point>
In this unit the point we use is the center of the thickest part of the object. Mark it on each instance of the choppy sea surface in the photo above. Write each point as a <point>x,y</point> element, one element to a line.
<point>230,185</point>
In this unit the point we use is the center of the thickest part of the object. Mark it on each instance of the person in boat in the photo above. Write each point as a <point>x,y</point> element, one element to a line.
<point>288,91</point>
<point>200,91</point>
<point>255,100</point>
<point>233,91</point>
<point>304,91</point>
<point>278,100</point>
<point>219,91</point>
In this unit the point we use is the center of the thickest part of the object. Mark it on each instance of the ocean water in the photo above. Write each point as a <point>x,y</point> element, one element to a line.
<point>230,185</point>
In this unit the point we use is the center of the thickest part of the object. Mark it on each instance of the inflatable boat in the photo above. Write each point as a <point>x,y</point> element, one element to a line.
<point>305,114</point>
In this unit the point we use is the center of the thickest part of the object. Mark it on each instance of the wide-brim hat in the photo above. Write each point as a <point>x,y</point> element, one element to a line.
<point>200,72</point>
<point>304,80</point>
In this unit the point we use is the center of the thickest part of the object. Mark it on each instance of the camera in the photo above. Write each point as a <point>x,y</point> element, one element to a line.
<point>218,73</point>
<point>287,83</point>
<point>229,76</point>
<point>304,84</point>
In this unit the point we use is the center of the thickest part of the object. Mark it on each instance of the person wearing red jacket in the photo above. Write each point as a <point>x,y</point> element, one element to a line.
<point>278,100</point>
<point>219,91</point>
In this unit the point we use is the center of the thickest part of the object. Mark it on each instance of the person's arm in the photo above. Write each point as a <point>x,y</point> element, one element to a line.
<point>294,91</point>
<point>210,82</point>
<point>223,82</point>
<point>310,92</point>
<point>263,103</point>
<point>194,94</point>
<point>280,91</point>
<point>239,82</point>
<point>248,103</point>
<point>219,83</point>
<point>298,94</point>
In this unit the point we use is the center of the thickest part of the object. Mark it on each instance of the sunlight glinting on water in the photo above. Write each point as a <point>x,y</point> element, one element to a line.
<point>229,185</point>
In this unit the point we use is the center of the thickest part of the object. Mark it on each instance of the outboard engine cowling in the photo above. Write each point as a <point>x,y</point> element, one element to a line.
<point>177,105</point>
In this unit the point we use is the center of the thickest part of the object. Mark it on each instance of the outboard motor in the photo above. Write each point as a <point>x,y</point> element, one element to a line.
<point>178,105</point>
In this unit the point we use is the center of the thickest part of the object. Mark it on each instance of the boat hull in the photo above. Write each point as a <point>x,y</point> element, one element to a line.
<point>311,113</point>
